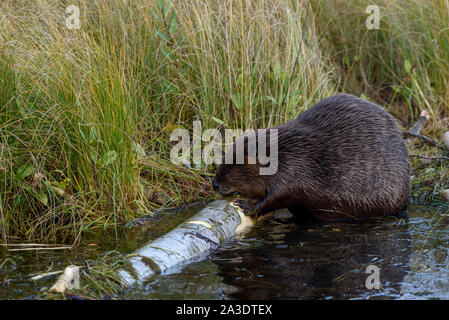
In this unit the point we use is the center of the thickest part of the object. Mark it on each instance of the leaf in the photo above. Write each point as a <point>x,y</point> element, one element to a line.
<point>63,184</point>
<point>59,186</point>
<point>346,60</point>
<point>22,110</point>
<point>139,149</point>
<point>240,78</point>
<point>396,88</point>
<point>57,189</point>
<point>407,66</point>
<point>167,8</point>
<point>19,200</point>
<point>172,22</point>
<point>167,54</point>
<point>236,99</point>
<point>24,171</point>
<point>160,34</point>
<point>218,120</point>
<point>364,97</point>
<point>168,86</point>
<point>93,156</point>
<point>93,137</point>
<point>109,157</point>
<point>155,15</point>
<point>83,136</point>
<point>42,198</point>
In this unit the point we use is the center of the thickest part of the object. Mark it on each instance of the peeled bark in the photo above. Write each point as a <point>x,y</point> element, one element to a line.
<point>203,232</point>
<point>445,194</point>
<point>420,123</point>
<point>68,280</point>
<point>415,131</point>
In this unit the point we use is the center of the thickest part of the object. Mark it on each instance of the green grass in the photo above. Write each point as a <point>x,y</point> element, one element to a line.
<point>78,107</point>
<point>404,64</point>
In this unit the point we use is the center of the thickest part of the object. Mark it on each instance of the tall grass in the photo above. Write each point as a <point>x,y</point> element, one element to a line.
<point>405,63</point>
<point>86,115</point>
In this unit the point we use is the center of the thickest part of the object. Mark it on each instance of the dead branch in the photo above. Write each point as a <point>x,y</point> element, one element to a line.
<point>415,131</point>
<point>68,280</point>
<point>429,157</point>
<point>420,123</point>
<point>409,135</point>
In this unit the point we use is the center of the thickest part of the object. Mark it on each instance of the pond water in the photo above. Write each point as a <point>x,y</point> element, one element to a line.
<point>277,260</point>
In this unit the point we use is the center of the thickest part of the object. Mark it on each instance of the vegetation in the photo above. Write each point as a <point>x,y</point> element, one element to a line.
<point>86,115</point>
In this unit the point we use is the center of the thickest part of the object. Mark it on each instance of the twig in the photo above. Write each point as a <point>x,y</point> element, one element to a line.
<point>415,131</point>
<point>429,157</point>
<point>420,123</point>
<point>44,275</point>
<point>77,296</point>
<point>408,134</point>
<point>40,248</point>
<point>29,245</point>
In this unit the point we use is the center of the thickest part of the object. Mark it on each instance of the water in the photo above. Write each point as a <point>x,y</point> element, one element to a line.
<point>277,260</point>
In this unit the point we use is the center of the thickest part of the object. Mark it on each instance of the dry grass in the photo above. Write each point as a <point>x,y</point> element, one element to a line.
<point>79,107</point>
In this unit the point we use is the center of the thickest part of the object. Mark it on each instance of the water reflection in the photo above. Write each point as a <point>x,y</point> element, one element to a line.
<point>320,261</point>
<point>277,260</point>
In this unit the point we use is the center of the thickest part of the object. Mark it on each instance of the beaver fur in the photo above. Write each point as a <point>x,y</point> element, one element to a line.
<point>342,158</point>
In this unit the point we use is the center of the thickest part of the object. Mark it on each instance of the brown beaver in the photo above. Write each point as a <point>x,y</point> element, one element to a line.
<point>343,158</point>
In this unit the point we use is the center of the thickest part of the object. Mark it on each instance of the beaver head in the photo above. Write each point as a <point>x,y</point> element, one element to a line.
<point>244,177</point>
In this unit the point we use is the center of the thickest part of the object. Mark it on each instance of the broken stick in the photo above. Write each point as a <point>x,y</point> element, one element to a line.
<point>69,279</point>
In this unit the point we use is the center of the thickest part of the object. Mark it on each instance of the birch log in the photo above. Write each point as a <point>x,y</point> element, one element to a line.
<point>205,231</point>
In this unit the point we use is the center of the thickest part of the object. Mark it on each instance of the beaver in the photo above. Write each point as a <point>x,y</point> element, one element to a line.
<point>343,158</point>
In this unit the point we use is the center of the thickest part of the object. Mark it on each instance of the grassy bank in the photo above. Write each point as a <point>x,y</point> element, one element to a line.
<point>86,115</point>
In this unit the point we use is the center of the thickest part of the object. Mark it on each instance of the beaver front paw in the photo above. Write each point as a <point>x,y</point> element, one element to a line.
<point>245,205</point>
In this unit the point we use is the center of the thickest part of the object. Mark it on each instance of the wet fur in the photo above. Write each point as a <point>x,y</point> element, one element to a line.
<point>342,158</point>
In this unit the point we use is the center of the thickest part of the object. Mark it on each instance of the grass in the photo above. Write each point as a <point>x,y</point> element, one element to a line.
<point>404,64</point>
<point>86,115</point>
